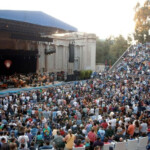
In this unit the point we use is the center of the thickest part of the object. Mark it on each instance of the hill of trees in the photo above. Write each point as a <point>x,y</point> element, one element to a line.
<point>142,22</point>
<point>109,50</point>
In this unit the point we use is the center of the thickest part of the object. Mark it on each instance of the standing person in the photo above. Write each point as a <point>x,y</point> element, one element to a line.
<point>30,136</point>
<point>69,139</point>
<point>101,133</point>
<point>143,128</point>
<point>113,122</point>
<point>137,129</point>
<point>92,137</point>
<point>104,124</point>
<point>23,139</point>
<point>46,146</point>
<point>47,132</point>
<point>4,144</point>
<point>58,141</point>
<point>130,130</point>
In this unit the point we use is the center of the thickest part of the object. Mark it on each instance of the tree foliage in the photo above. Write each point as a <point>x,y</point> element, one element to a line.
<point>142,22</point>
<point>109,50</point>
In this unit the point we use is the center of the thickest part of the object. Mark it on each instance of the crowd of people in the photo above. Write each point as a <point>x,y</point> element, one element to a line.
<point>113,107</point>
<point>26,80</point>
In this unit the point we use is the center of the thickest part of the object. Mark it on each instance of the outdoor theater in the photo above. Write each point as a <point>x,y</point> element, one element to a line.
<point>61,89</point>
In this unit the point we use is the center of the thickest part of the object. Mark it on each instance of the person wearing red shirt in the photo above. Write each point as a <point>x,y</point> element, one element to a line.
<point>79,144</point>
<point>104,124</point>
<point>92,137</point>
<point>131,128</point>
<point>62,132</point>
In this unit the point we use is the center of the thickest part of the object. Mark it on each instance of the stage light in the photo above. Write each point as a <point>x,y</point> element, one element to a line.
<point>8,63</point>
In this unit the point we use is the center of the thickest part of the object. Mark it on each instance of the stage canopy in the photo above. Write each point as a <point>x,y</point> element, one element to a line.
<point>31,25</point>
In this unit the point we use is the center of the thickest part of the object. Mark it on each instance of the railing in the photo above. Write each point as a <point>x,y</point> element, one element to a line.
<point>120,59</point>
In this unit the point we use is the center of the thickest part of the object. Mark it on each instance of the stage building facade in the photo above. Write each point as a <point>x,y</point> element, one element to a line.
<point>28,39</point>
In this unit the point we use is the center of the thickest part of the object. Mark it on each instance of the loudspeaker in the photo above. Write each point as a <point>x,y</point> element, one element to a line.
<point>71,52</point>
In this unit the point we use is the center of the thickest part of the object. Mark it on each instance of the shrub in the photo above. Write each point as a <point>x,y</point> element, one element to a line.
<point>85,74</point>
<point>82,74</point>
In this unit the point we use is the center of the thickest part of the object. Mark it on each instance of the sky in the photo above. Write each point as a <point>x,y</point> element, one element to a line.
<point>103,17</point>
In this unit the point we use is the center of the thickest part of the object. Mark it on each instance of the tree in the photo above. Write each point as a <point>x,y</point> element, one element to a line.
<point>118,47</point>
<point>102,50</point>
<point>129,39</point>
<point>110,50</point>
<point>142,22</point>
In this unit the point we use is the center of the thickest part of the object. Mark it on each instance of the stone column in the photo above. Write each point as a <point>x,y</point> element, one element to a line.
<point>65,59</point>
<point>46,58</point>
<point>37,64</point>
<point>41,49</point>
<point>56,59</point>
<point>92,52</point>
<point>46,63</point>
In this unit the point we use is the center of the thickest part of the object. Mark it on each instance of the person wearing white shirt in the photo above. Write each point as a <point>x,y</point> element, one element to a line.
<point>144,128</point>
<point>59,113</point>
<point>135,109</point>
<point>113,122</point>
<point>75,104</point>
<point>5,107</point>
<point>23,139</point>
<point>91,111</point>
<point>127,119</point>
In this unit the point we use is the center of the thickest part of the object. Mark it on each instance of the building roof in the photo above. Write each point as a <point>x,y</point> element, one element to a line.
<point>36,17</point>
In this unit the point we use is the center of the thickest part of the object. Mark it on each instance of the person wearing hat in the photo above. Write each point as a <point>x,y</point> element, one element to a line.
<point>69,139</point>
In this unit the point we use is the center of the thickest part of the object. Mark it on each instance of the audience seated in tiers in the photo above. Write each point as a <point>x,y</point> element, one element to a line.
<point>109,109</point>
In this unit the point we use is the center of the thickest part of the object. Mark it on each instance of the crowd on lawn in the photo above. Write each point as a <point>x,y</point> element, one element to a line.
<point>113,107</point>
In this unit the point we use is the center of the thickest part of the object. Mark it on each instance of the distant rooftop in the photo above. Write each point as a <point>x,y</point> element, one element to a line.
<point>36,17</point>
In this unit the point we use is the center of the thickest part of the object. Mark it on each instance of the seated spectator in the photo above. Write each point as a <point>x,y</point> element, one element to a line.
<point>97,148</point>
<point>79,144</point>
<point>87,143</point>
<point>32,146</point>
<point>4,145</point>
<point>120,139</point>
<point>23,147</point>
<point>13,146</point>
<point>106,141</point>
<point>46,146</point>
<point>98,142</point>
